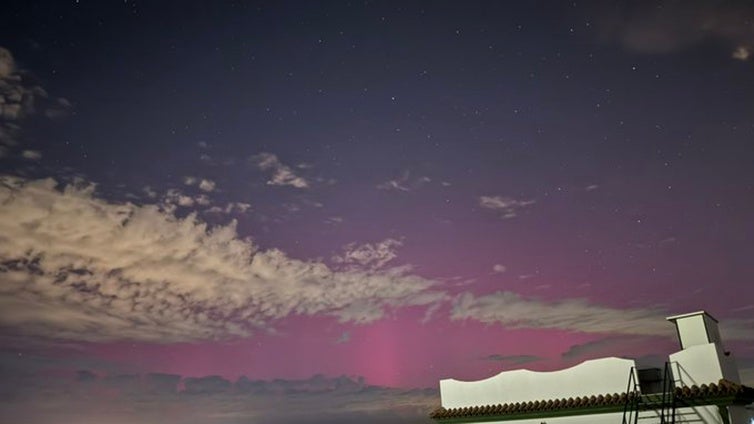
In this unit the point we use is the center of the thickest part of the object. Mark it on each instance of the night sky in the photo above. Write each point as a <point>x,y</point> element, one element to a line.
<point>310,212</point>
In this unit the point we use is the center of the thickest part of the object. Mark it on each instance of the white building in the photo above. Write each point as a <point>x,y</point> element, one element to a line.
<point>700,384</point>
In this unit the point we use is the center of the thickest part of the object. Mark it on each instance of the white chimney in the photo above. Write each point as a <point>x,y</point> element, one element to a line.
<point>702,358</point>
<point>696,328</point>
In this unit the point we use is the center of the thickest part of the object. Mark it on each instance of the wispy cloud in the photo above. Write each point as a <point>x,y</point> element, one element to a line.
<point>282,175</point>
<point>499,268</point>
<point>345,337</point>
<point>333,220</point>
<point>404,183</point>
<point>515,311</point>
<point>648,27</point>
<point>79,267</point>
<point>19,98</point>
<point>175,197</point>
<point>373,255</point>
<point>203,184</point>
<point>741,53</point>
<point>7,63</point>
<point>230,208</point>
<point>507,207</point>
<point>31,154</point>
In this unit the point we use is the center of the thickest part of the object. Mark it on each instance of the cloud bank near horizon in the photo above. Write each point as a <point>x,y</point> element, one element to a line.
<point>83,394</point>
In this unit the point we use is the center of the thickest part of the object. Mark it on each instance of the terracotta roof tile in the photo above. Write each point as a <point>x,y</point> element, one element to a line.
<point>695,393</point>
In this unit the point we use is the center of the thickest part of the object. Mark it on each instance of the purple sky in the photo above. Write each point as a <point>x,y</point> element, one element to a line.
<point>310,212</point>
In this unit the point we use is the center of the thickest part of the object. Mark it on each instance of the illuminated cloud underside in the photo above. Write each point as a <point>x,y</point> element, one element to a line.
<point>79,267</point>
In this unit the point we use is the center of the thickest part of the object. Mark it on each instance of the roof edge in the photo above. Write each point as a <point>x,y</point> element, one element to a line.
<point>691,314</point>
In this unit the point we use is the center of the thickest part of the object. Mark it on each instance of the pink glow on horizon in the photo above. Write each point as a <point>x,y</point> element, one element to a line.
<point>397,351</point>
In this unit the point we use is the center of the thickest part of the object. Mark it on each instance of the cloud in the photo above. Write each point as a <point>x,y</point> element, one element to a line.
<point>404,183</point>
<point>345,337</point>
<point>741,53</point>
<point>20,98</point>
<point>59,108</point>
<point>206,385</point>
<point>649,27</point>
<point>31,154</point>
<point>513,359</point>
<point>282,175</point>
<point>373,255</point>
<point>16,99</point>
<point>78,267</point>
<point>175,197</point>
<point>161,383</point>
<point>207,185</point>
<point>132,399</point>
<point>499,268</point>
<point>149,192</point>
<point>85,375</point>
<point>506,206</point>
<point>230,208</point>
<point>608,346</point>
<point>514,311</point>
<point>125,382</point>
<point>7,63</point>
<point>202,199</point>
<point>203,183</point>
<point>333,220</point>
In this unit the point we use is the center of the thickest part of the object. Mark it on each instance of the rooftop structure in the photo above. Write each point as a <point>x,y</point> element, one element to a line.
<point>699,384</point>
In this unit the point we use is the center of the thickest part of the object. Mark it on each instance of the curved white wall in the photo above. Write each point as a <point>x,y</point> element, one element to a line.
<point>595,377</point>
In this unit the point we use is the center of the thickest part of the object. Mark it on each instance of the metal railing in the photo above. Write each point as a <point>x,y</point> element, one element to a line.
<point>633,394</point>
<point>667,408</point>
<point>636,402</point>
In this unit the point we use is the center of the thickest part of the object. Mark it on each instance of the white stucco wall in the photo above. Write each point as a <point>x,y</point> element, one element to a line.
<point>696,365</point>
<point>595,377</point>
<point>615,418</point>
<point>703,364</point>
<point>699,415</point>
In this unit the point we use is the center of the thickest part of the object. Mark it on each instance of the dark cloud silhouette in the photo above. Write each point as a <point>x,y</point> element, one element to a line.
<point>85,376</point>
<point>89,395</point>
<point>162,383</point>
<point>206,385</point>
<point>513,359</point>
<point>608,346</point>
